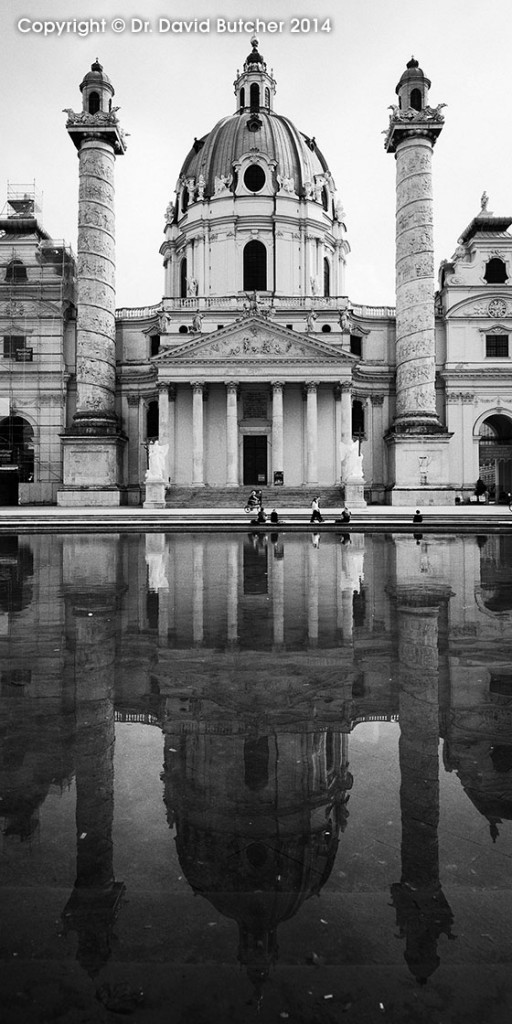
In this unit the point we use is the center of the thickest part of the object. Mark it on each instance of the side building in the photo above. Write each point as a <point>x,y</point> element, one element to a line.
<point>37,325</point>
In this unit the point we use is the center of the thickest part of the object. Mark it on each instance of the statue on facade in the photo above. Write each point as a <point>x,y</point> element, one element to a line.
<point>310,320</point>
<point>192,286</point>
<point>351,463</point>
<point>164,321</point>
<point>345,321</point>
<point>157,456</point>
<point>197,321</point>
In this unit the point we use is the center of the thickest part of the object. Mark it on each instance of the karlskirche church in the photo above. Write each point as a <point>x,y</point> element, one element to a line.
<point>255,369</point>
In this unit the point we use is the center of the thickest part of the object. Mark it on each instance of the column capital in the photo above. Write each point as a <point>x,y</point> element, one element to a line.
<point>377,399</point>
<point>199,387</point>
<point>133,400</point>
<point>277,384</point>
<point>342,387</point>
<point>232,385</point>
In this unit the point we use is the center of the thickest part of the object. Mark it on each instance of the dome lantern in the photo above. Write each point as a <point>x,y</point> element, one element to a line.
<point>255,87</point>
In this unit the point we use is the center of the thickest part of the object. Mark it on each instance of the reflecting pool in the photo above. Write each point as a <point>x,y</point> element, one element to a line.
<point>256,777</point>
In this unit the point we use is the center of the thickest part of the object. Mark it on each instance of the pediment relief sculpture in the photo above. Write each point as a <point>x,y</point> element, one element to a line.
<point>253,341</point>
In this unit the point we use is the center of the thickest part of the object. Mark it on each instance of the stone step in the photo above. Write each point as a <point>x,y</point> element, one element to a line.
<point>236,497</point>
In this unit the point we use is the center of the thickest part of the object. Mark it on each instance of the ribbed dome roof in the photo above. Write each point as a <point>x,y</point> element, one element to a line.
<point>295,154</point>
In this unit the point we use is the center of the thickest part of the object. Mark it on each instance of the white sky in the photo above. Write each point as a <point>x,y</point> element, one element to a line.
<point>336,86</point>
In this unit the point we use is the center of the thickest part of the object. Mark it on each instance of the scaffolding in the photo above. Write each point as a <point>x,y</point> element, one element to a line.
<point>37,304</point>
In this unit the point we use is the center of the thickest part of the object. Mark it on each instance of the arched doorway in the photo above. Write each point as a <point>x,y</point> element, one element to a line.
<point>495,454</point>
<point>16,457</point>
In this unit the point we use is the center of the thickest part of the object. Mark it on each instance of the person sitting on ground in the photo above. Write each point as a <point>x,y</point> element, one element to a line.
<point>316,515</point>
<point>345,515</point>
<point>417,517</point>
<point>261,517</point>
<point>274,518</point>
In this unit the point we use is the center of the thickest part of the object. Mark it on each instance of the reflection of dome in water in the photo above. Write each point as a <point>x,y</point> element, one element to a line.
<point>257,842</point>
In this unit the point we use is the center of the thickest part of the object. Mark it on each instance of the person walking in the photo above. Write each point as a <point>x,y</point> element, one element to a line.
<point>316,515</point>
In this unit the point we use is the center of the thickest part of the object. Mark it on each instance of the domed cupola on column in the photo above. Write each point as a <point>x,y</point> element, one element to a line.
<point>97,90</point>
<point>255,206</point>
<point>412,89</point>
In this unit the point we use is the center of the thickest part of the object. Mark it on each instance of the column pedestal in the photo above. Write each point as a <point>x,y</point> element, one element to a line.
<point>155,493</point>
<point>91,464</point>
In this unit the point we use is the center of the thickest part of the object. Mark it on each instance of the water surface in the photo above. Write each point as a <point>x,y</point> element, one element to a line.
<point>256,778</point>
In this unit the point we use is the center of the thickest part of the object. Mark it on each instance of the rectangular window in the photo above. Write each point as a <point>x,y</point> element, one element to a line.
<point>496,346</point>
<point>356,345</point>
<point>13,343</point>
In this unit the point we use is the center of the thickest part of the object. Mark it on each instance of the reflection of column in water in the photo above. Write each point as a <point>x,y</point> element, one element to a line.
<point>277,582</point>
<point>312,595</point>
<point>92,907</point>
<point>232,589</point>
<point>422,910</point>
<point>198,591</point>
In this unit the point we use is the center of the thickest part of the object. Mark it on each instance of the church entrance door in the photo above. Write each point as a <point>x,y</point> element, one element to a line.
<point>255,459</point>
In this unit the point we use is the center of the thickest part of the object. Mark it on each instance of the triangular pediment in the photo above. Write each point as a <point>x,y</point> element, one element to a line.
<point>254,340</point>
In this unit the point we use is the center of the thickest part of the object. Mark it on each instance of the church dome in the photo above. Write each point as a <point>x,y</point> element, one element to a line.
<point>259,184</point>
<point>296,156</point>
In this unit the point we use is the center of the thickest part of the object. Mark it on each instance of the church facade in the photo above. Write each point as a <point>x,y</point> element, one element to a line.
<point>255,369</point>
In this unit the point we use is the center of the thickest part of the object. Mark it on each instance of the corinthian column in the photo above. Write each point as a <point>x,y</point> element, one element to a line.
<point>312,433</point>
<point>277,427</point>
<point>197,433</point>
<point>231,434</point>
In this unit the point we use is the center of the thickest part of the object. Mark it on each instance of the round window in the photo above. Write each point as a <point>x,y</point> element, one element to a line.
<point>254,178</point>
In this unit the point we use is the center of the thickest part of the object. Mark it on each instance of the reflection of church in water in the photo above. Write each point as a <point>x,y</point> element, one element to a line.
<point>255,368</point>
<point>257,666</point>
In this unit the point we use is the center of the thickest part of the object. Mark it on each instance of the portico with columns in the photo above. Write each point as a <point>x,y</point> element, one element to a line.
<point>253,405</point>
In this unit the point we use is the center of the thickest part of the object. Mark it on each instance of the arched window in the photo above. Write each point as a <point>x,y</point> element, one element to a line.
<point>255,97</point>
<point>255,267</point>
<point>495,271</point>
<point>327,277</point>
<point>94,102</point>
<point>325,198</point>
<point>184,200</point>
<point>242,99</point>
<point>183,278</point>
<point>416,99</point>
<point>267,97</point>
<point>16,271</point>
